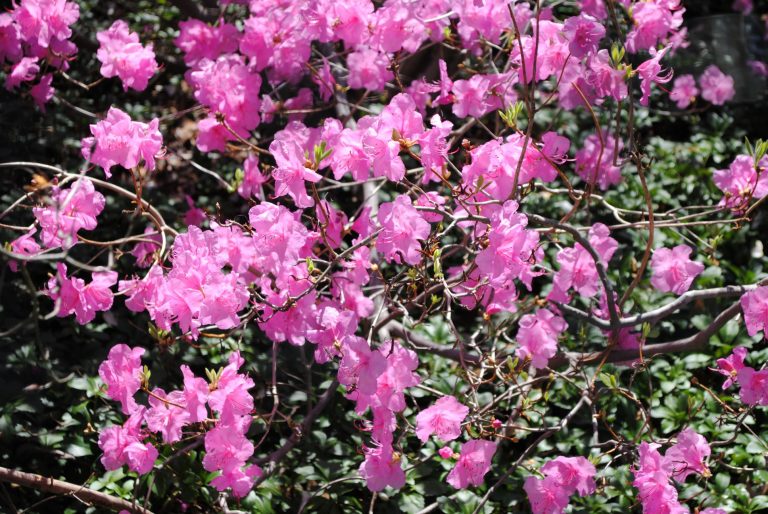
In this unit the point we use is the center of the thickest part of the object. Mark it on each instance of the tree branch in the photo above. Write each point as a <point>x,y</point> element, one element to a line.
<point>51,485</point>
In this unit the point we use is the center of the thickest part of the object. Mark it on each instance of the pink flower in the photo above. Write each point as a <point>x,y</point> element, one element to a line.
<point>198,40</point>
<point>278,235</point>
<point>231,398</point>
<point>487,19</point>
<point>445,85</point>
<point>167,414</point>
<point>42,92</point>
<point>604,78</point>
<point>119,140</point>
<point>226,447</point>
<point>381,468</point>
<point>731,365</point>
<point>74,296</point>
<point>383,152</point>
<point>537,337</point>
<point>360,366</point>
<point>72,209</point>
<point>595,161</point>
<point>45,23</point>
<point>122,374</point>
<point>445,452</point>
<point>253,180</point>
<point>195,216</point>
<point>24,245</point>
<point>653,22</point>
<point>474,462</point>
<point>123,445</point>
<point>651,71</point>
<point>684,91</point>
<point>584,35</point>
<point>228,86</point>
<point>657,494</point>
<point>403,228</point>
<point>240,480</point>
<point>563,477</point>
<point>23,71</point>
<point>755,307</point>
<point>391,385</point>
<point>334,326</point>
<point>577,267</point>
<point>687,456</point>
<point>716,87</point>
<point>10,43</point>
<point>754,386</point>
<point>712,510</point>
<point>575,474</point>
<point>545,495</point>
<point>442,419</point>
<point>325,81</point>
<point>470,97</point>
<point>122,55</point>
<point>368,69</point>
<point>433,147</point>
<point>292,173</point>
<point>742,181</point>
<point>512,248</point>
<point>401,116</point>
<point>195,395</point>
<point>673,270</point>
<point>145,251</point>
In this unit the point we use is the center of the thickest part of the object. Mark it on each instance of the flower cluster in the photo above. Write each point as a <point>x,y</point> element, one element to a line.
<point>122,55</point>
<point>715,87</point>
<point>753,384</point>
<point>71,210</point>
<point>227,447</point>
<point>654,471</point>
<point>563,476</point>
<point>33,36</point>
<point>118,140</point>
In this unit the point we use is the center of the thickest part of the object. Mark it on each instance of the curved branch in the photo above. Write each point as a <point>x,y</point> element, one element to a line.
<point>663,311</point>
<point>686,344</point>
<point>51,485</point>
<point>599,266</point>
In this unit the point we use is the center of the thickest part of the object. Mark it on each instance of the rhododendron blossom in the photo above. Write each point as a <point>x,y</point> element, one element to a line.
<point>684,91</point>
<point>755,306</point>
<point>537,337</point>
<point>402,229</point>
<point>73,296</point>
<point>596,161</point>
<point>119,140</point>
<point>124,445</point>
<point>673,270</point>
<point>71,210</point>
<point>716,87</point>
<point>563,476</point>
<point>443,419</point>
<point>687,456</point>
<point>474,462</point>
<point>578,269</point>
<point>23,71</point>
<point>584,35</point>
<point>122,55</point>
<point>122,374</point>
<point>742,181</point>
<point>731,365</point>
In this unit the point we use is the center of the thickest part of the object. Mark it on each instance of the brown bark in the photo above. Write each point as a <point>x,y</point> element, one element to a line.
<point>51,485</point>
